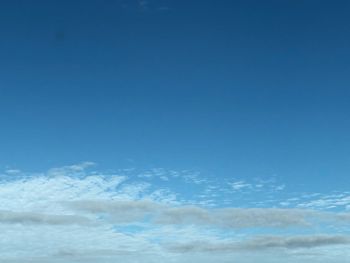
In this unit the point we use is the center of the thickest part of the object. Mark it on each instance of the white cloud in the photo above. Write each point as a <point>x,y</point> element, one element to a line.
<point>72,214</point>
<point>240,185</point>
<point>326,201</point>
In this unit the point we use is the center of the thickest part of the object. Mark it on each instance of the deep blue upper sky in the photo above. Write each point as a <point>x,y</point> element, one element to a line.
<point>230,88</point>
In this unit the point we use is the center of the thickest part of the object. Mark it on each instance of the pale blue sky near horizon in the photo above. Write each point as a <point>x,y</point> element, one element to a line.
<point>241,89</point>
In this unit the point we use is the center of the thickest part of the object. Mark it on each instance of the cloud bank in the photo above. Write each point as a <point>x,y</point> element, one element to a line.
<point>74,214</point>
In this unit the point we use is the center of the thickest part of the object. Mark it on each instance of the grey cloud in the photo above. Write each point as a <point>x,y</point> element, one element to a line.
<point>120,211</point>
<point>71,253</point>
<point>236,217</point>
<point>263,217</point>
<point>297,242</point>
<point>200,246</point>
<point>261,243</point>
<point>131,211</point>
<point>9,217</point>
<point>185,215</point>
<point>344,217</point>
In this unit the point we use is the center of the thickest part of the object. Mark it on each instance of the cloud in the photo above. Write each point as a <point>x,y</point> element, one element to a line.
<point>256,185</point>
<point>75,214</point>
<point>123,211</point>
<point>185,215</point>
<point>70,169</point>
<point>236,217</point>
<point>296,242</point>
<point>261,243</point>
<point>326,201</point>
<point>132,210</point>
<point>9,217</point>
<point>264,217</point>
<point>240,185</point>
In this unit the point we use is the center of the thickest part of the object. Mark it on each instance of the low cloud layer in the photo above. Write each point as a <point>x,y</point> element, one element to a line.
<point>124,211</point>
<point>31,218</point>
<point>262,243</point>
<point>130,211</point>
<point>68,214</point>
<point>236,217</point>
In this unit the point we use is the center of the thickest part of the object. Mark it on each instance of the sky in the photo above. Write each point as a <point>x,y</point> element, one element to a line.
<point>176,131</point>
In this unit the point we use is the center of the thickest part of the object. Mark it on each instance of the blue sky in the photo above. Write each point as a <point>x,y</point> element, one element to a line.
<point>236,104</point>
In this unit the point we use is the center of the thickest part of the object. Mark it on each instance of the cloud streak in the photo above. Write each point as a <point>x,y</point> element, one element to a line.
<point>131,211</point>
<point>262,243</point>
<point>31,218</point>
